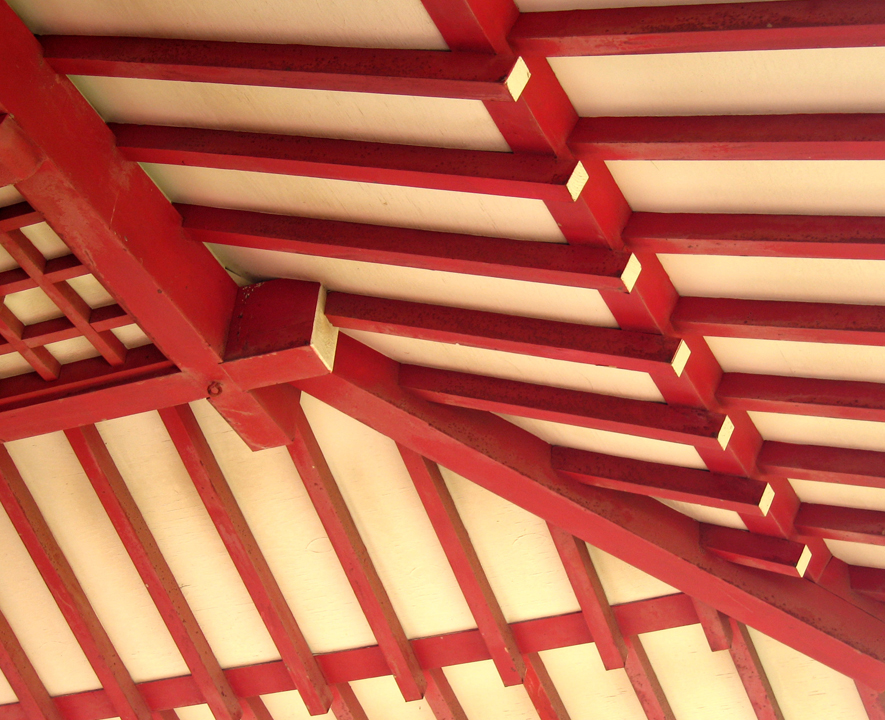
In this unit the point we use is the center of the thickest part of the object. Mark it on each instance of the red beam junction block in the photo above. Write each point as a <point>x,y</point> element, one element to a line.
<point>536,176</point>
<point>758,551</point>
<point>427,73</point>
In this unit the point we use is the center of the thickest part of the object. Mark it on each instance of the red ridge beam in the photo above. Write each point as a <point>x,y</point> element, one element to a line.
<point>841,523</point>
<point>741,137</point>
<point>59,577</point>
<point>757,551</point>
<point>768,320</point>
<point>752,674</point>
<point>507,333</point>
<point>553,263</point>
<point>535,176</point>
<point>424,73</point>
<point>803,396</point>
<point>15,217</point>
<point>799,236</point>
<point>727,492</point>
<point>843,466</point>
<point>701,28</point>
<point>571,407</point>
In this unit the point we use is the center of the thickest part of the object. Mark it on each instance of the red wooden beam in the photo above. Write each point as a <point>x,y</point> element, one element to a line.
<point>803,396</point>
<point>15,217</point>
<point>101,320</point>
<point>154,571</point>
<point>354,557</point>
<point>768,320</point>
<point>441,698</point>
<point>841,523</point>
<point>869,581</point>
<point>466,566</point>
<point>494,331</point>
<point>39,358</point>
<point>553,263</point>
<point>645,682</point>
<point>516,465</point>
<point>756,551</point>
<point>59,577</point>
<point>873,702</point>
<point>670,482</point>
<point>726,137</point>
<point>572,407</point>
<point>811,236</point>
<point>55,270</point>
<point>18,671</point>
<point>247,557</point>
<point>476,171</point>
<point>426,73</point>
<point>844,466</point>
<point>542,690</point>
<point>752,674</point>
<point>345,705</point>
<point>706,28</point>
<point>19,158</point>
<point>716,626</point>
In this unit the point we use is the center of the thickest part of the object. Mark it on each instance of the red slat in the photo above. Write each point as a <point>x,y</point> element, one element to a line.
<point>640,531</point>
<point>873,702</point>
<point>739,137</point>
<point>553,263</point>
<point>441,698</point>
<point>752,674</point>
<point>18,671</point>
<point>247,557</point>
<point>55,270</point>
<point>645,682</point>
<point>39,358</point>
<point>19,157</point>
<point>717,627</point>
<point>706,28</point>
<point>472,580</point>
<point>345,705</point>
<point>425,73</point>
<point>845,466</point>
<point>670,482</point>
<point>869,581</point>
<point>756,551</point>
<point>479,25</point>
<point>15,217</point>
<point>841,523</point>
<point>813,236</point>
<point>59,577</point>
<point>154,571</point>
<point>526,336</point>
<point>354,557</point>
<point>542,690</point>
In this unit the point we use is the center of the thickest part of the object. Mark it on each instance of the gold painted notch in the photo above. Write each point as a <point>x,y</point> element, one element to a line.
<point>324,336</point>
<point>804,560</point>
<point>518,78</point>
<point>631,273</point>
<point>577,181</point>
<point>725,432</point>
<point>680,358</point>
<point>767,499</point>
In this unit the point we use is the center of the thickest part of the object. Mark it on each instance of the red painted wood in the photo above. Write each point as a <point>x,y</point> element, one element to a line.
<point>841,523</point>
<point>471,577</point>
<point>154,571</point>
<point>752,674</point>
<point>55,270</point>
<point>869,581</point>
<point>873,702</point>
<point>812,236</point>
<point>732,137</point>
<point>769,320</point>
<point>753,550</point>
<point>39,358</point>
<point>640,531</point>
<point>345,705</point>
<point>803,396</point>
<point>542,690</point>
<point>441,698</point>
<point>33,698</point>
<point>706,28</point>
<point>645,682</point>
<point>39,334</point>
<point>670,482</point>
<point>591,597</point>
<point>59,577</point>
<point>716,626</point>
<point>425,73</point>
<point>15,217</point>
<point>354,557</point>
<point>19,157</point>
<point>553,263</point>
<point>845,466</point>
<point>526,336</point>
<point>247,557</point>
<point>479,25</point>
<point>572,407</point>
<point>475,171</point>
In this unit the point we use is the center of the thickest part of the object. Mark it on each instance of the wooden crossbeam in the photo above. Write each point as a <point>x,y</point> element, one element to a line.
<point>101,320</point>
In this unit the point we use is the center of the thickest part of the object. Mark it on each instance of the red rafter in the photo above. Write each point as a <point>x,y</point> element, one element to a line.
<point>15,217</point>
<point>716,626</point>
<point>18,671</point>
<point>841,523</point>
<point>542,690</point>
<point>154,571</point>
<point>247,557</point>
<point>354,557</point>
<point>756,551</point>
<point>705,28</point>
<point>441,698</point>
<point>426,73</point>
<point>465,564</point>
<point>752,674</point>
<point>645,682</point>
<point>59,577</point>
<point>844,466</point>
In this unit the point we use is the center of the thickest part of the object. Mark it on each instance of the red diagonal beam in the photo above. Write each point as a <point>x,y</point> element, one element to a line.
<point>752,674</point>
<point>32,695</point>
<point>705,28</point>
<point>756,551</point>
<point>572,407</point>
<point>553,263</point>
<point>769,320</point>
<point>844,466</point>
<point>354,557</point>
<point>154,571</point>
<point>542,690</point>
<point>493,173</point>
<point>345,705</point>
<point>640,531</point>
<point>247,557</point>
<point>723,137</point>
<point>59,577</point>
<point>670,482</point>
<point>441,697</point>
<point>466,566</point>
<point>811,236</point>
<point>494,331</point>
<point>716,626</point>
<point>841,523</point>
<point>425,73</point>
<point>645,682</point>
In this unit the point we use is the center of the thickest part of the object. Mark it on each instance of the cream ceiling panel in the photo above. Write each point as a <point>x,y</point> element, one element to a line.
<point>482,695</point>
<point>808,430</point>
